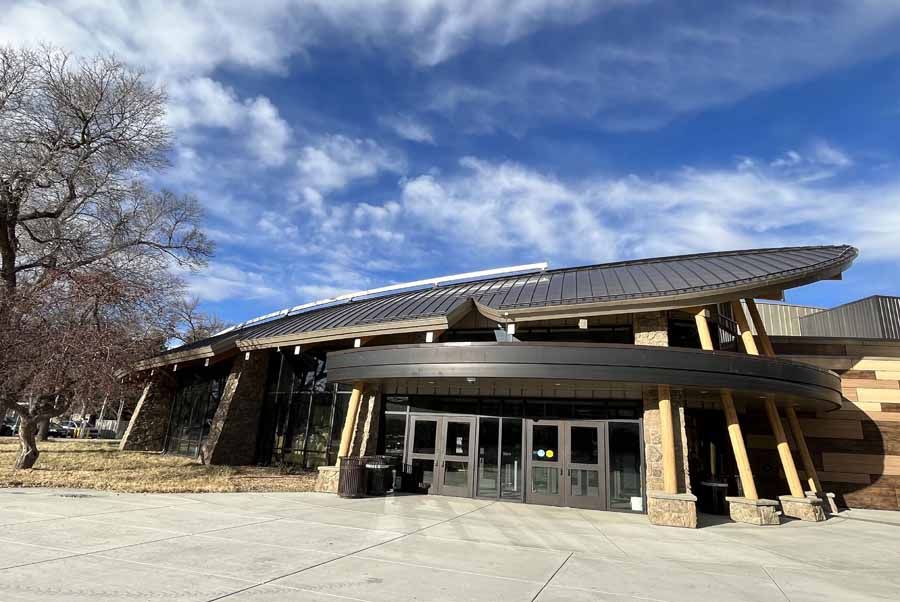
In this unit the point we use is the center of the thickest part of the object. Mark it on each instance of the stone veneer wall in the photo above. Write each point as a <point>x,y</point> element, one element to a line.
<point>147,428</point>
<point>233,432</point>
<point>651,328</point>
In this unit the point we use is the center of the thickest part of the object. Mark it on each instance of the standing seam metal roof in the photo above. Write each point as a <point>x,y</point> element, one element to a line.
<point>646,278</point>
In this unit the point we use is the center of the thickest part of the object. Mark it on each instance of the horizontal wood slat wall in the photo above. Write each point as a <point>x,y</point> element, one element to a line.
<point>857,448</point>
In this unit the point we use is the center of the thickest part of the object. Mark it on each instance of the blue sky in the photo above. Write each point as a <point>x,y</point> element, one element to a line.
<point>341,145</point>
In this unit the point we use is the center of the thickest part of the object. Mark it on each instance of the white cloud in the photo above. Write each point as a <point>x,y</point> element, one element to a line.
<point>506,206</point>
<point>222,281</point>
<point>516,211</point>
<point>408,128</point>
<point>687,61</point>
<point>828,154</point>
<point>255,122</point>
<point>338,160</point>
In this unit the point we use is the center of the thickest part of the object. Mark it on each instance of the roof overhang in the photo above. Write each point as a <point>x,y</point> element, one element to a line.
<point>791,383</point>
<point>773,289</point>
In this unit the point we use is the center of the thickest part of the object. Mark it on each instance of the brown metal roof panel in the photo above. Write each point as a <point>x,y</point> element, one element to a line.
<point>583,289</point>
<point>555,288</point>
<point>652,279</point>
<point>614,285</point>
<point>688,277</point>
<point>569,289</point>
<point>598,283</point>
<point>629,284</point>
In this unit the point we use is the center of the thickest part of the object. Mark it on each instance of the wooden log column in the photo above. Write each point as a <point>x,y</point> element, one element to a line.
<point>731,417</point>
<point>796,504</point>
<point>784,450</point>
<point>738,446</point>
<point>350,420</point>
<point>808,466</point>
<point>667,435</point>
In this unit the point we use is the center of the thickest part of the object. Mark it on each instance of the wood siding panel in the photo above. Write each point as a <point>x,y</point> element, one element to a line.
<point>877,364</point>
<point>844,477</point>
<point>878,395</point>
<point>852,383</point>
<point>887,374</point>
<point>850,394</point>
<point>861,463</point>
<point>859,374</point>
<point>831,429</point>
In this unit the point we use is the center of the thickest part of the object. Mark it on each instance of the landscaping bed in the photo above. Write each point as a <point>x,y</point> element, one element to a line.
<point>99,464</point>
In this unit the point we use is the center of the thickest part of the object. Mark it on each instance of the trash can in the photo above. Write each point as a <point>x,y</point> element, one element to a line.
<point>411,478</point>
<point>352,477</point>
<point>712,497</point>
<point>380,475</point>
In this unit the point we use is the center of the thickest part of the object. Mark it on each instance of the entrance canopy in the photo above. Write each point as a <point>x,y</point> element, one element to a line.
<point>749,377</point>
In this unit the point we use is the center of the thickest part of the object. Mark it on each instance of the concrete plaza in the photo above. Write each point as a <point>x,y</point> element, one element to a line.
<point>90,545</point>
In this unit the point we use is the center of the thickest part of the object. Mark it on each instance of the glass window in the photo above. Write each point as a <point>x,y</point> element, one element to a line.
<point>457,443</point>
<point>425,470</point>
<point>394,434</point>
<point>424,436</point>
<point>511,458</point>
<point>488,440</point>
<point>584,482</point>
<point>194,408</point>
<point>545,480</point>
<point>625,466</point>
<point>545,442</point>
<point>456,474</point>
<point>584,445</point>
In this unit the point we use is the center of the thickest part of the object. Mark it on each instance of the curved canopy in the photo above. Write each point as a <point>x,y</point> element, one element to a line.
<point>790,382</point>
<point>621,287</point>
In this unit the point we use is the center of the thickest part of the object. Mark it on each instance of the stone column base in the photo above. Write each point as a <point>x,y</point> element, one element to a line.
<point>753,512</point>
<point>672,509</point>
<point>327,479</point>
<point>829,506</point>
<point>804,508</point>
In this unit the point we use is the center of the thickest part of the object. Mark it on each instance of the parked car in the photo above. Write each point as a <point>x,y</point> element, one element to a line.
<point>9,427</point>
<point>57,431</point>
<point>86,431</point>
<point>66,428</point>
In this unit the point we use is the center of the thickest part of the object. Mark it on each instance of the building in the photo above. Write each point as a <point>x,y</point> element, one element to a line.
<point>638,386</point>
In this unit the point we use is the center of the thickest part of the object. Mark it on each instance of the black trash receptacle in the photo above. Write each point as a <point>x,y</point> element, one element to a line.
<point>352,477</point>
<point>411,479</point>
<point>380,475</point>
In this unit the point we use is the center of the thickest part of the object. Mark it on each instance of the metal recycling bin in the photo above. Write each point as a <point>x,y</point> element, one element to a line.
<point>352,477</point>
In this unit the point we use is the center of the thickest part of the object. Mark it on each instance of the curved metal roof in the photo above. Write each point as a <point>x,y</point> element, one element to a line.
<point>639,285</point>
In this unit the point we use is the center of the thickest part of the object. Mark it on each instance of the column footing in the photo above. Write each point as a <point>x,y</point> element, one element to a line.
<point>805,508</point>
<point>327,479</point>
<point>753,512</point>
<point>672,509</point>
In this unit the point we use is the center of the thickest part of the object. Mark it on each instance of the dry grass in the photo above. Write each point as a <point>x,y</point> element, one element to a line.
<point>100,465</point>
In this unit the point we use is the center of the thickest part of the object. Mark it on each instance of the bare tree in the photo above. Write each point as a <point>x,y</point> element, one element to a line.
<point>84,240</point>
<point>195,325</point>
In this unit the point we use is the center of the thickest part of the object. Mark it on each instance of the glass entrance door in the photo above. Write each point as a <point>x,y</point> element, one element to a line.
<point>545,463</point>
<point>423,449</point>
<point>456,470</point>
<point>566,463</point>
<point>442,450</point>
<point>585,451</point>
<point>499,451</point>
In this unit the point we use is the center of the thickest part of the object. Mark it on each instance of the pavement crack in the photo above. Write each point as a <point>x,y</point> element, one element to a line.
<point>556,572</point>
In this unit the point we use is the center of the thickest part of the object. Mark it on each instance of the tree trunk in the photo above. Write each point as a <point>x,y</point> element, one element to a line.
<point>43,429</point>
<point>28,451</point>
